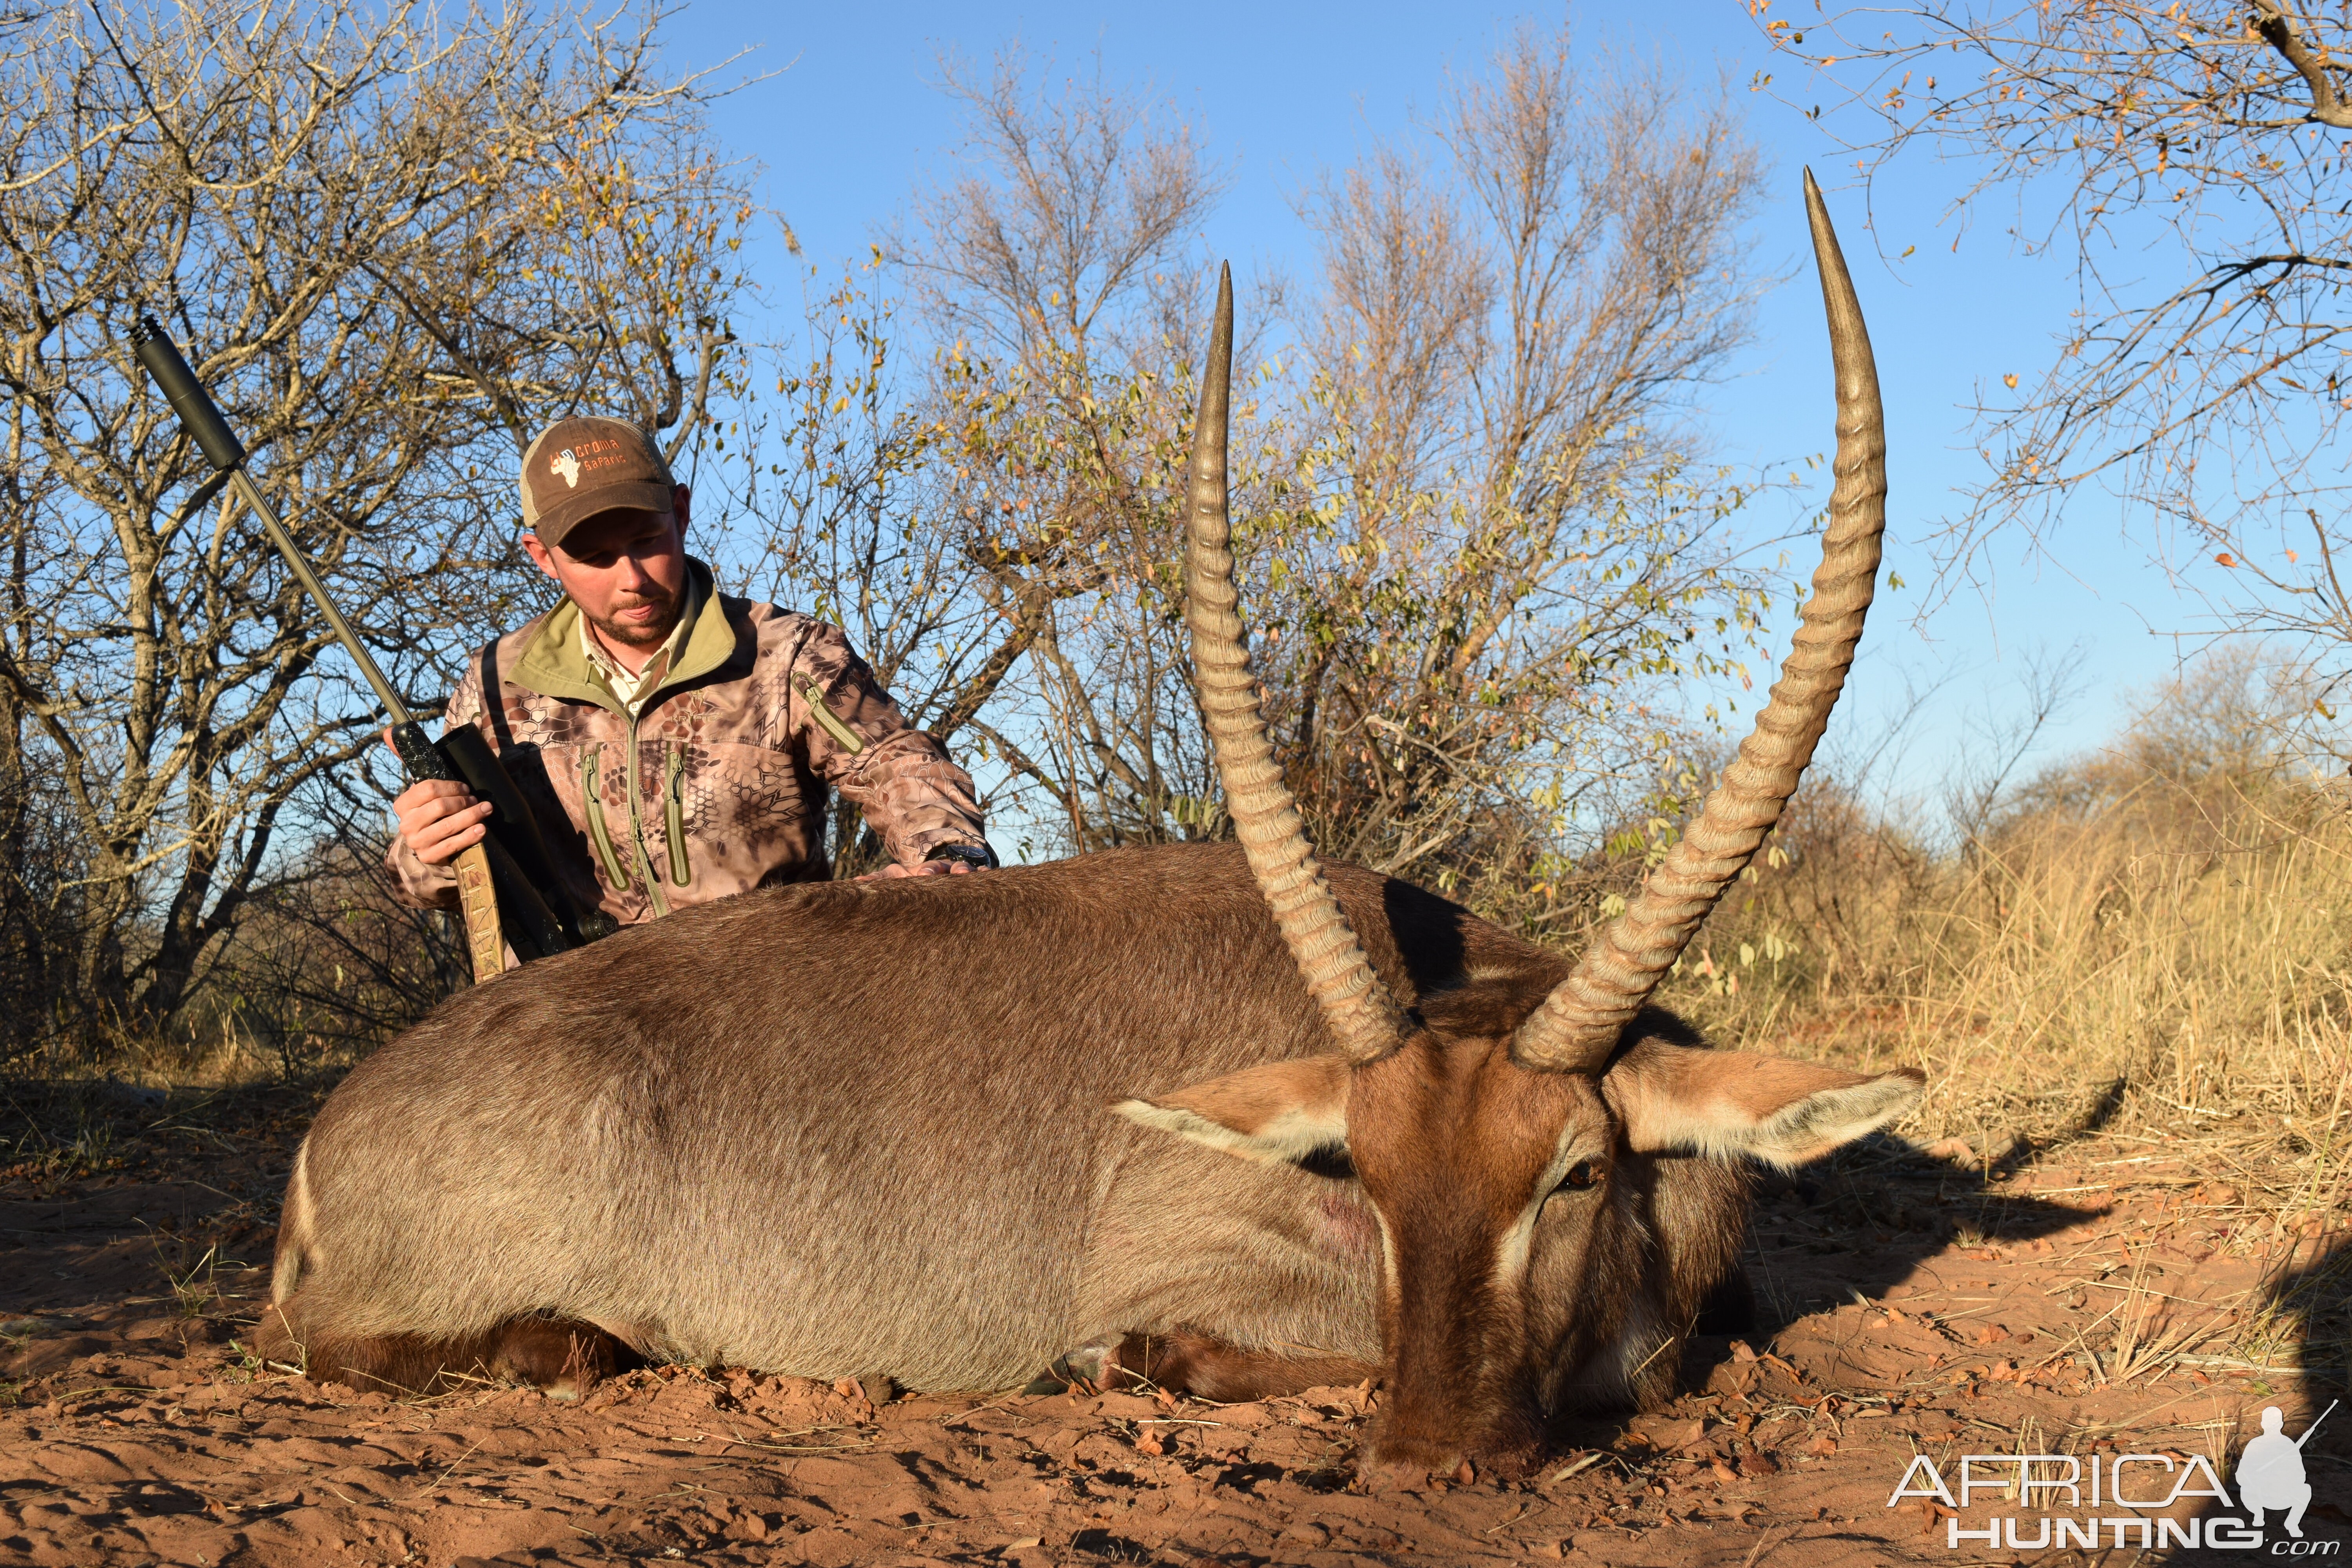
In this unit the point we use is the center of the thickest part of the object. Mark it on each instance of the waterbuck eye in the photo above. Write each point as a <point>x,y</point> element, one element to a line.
<point>1581,1178</point>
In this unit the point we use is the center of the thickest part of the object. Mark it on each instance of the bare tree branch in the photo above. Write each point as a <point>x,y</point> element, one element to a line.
<point>2203,387</point>
<point>2279,30</point>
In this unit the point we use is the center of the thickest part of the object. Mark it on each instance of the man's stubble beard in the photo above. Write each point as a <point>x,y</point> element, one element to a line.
<point>649,636</point>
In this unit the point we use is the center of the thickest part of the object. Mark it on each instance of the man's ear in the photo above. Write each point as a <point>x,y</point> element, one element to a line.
<point>1283,1111</point>
<point>538,553</point>
<point>1737,1102</point>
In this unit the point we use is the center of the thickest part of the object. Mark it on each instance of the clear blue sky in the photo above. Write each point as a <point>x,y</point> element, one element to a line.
<point>849,123</point>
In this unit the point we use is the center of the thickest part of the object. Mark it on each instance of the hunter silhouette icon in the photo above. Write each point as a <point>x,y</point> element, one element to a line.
<point>2270,1471</point>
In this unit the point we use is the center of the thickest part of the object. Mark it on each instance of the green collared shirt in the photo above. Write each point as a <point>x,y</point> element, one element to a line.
<point>633,690</point>
<point>560,664</point>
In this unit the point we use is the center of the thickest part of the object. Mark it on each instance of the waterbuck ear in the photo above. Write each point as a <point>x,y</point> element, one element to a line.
<point>1737,1102</point>
<point>1293,1111</point>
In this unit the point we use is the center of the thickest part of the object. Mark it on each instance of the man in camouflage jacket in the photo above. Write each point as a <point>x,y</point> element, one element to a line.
<point>675,744</point>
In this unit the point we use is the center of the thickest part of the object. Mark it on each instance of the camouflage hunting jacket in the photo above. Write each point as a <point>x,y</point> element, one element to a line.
<point>717,784</point>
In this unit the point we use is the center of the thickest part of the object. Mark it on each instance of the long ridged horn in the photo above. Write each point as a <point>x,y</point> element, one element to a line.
<point>1578,1024</point>
<point>1362,1015</point>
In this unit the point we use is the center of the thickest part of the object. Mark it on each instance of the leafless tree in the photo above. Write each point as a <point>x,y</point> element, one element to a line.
<point>1065,230</point>
<point>1060,272</point>
<point>2189,160</point>
<point>837,503</point>
<point>1512,329</point>
<point>392,240</point>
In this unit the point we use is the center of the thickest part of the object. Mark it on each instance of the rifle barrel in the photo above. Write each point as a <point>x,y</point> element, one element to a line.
<point>251,494</point>
<point>200,416</point>
<point>2323,1415</point>
<point>516,855</point>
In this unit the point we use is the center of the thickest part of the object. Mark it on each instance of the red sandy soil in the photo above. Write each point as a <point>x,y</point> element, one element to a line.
<point>1907,1307</point>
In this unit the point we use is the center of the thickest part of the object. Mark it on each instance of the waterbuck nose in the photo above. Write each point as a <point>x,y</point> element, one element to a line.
<point>1389,1472</point>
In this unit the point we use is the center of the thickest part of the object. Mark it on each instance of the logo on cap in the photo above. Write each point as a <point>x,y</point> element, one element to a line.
<point>567,465</point>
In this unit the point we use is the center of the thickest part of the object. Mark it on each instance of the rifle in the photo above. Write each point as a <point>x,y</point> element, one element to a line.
<point>2324,1414</point>
<point>498,879</point>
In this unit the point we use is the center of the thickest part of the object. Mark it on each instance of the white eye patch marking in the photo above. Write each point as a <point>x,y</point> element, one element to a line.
<point>1511,1254</point>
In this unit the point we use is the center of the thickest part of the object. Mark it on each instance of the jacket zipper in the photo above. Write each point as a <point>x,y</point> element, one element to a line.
<point>846,737</point>
<point>637,828</point>
<point>598,835</point>
<point>674,817</point>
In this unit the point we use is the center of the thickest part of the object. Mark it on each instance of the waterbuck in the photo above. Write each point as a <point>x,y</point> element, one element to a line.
<point>953,1130</point>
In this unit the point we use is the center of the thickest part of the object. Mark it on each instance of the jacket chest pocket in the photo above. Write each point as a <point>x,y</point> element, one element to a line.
<point>758,801</point>
<point>681,870</point>
<point>598,761</point>
<point>600,830</point>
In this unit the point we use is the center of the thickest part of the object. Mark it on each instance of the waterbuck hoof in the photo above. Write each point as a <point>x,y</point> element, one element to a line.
<point>1092,1367</point>
<point>1056,1379</point>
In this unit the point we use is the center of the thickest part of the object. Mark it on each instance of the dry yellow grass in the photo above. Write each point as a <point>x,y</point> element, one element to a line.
<point>2151,947</point>
<point>2171,955</point>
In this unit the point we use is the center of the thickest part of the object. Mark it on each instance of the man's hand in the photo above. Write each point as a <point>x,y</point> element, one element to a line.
<point>947,860</point>
<point>928,869</point>
<point>439,819</point>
